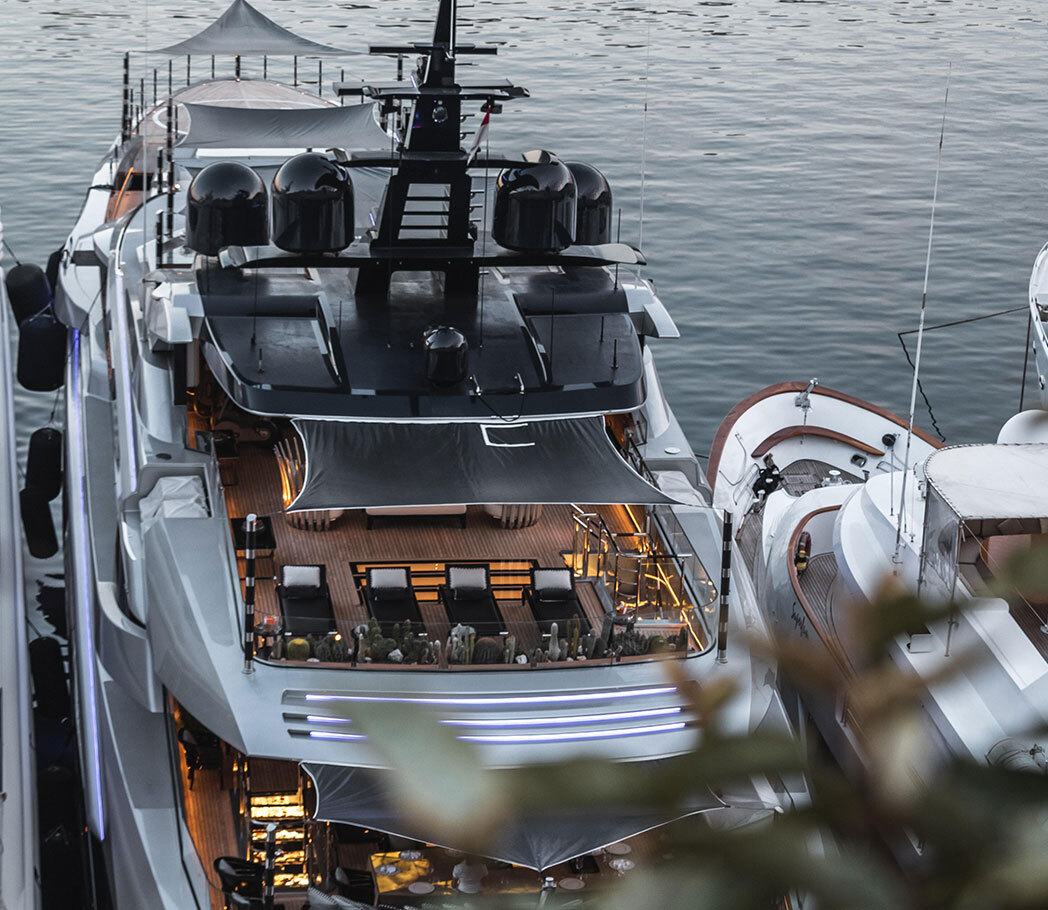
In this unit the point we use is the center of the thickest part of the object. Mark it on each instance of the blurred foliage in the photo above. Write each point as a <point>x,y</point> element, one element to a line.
<point>981,829</point>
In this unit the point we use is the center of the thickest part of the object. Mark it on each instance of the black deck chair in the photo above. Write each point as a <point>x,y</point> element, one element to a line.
<point>469,600</point>
<point>240,876</point>
<point>305,602</point>
<point>390,598</point>
<point>553,599</point>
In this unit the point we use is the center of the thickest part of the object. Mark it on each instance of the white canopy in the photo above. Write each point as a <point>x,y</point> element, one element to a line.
<point>991,481</point>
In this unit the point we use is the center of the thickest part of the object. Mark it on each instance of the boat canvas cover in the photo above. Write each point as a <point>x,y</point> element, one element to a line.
<point>360,796</point>
<point>991,481</point>
<point>242,30</point>
<point>354,465</point>
<point>351,127</point>
<point>987,490</point>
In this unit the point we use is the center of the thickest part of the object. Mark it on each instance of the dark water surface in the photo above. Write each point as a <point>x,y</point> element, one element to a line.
<point>790,154</point>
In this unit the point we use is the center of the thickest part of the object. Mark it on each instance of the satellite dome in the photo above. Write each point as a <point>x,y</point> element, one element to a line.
<point>593,221</point>
<point>312,205</point>
<point>535,204</point>
<point>226,206</point>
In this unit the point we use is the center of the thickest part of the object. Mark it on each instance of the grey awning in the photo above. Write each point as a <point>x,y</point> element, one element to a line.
<point>358,796</point>
<point>351,127</point>
<point>351,465</point>
<point>242,30</point>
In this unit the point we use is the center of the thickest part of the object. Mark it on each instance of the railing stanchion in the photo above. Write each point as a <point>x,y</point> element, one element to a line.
<point>249,593</point>
<point>270,867</point>
<point>722,625</point>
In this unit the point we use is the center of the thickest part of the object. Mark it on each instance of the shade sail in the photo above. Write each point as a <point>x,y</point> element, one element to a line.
<point>358,796</point>
<point>352,127</point>
<point>242,30</point>
<point>352,465</point>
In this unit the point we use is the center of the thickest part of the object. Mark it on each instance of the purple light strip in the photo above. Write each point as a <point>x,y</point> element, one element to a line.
<point>562,721</point>
<point>331,734</point>
<point>84,617</point>
<point>500,700</point>
<point>573,735</point>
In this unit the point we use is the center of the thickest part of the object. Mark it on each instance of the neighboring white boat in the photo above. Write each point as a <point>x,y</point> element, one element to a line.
<point>436,390</point>
<point>825,518</point>
<point>19,879</point>
<point>1031,424</point>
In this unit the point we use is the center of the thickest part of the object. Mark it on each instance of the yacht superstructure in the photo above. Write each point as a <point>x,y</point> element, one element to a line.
<point>350,422</point>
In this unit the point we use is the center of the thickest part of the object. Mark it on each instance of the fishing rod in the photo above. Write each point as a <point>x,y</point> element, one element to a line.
<point>920,328</point>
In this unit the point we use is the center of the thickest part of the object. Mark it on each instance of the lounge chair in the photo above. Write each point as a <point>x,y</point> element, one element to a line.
<point>469,600</point>
<point>390,598</point>
<point>305,601</point>
<point>553,599</point>
<point>203,752</point>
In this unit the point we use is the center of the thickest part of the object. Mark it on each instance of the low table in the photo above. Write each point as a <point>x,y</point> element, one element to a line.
<point>265,539</point>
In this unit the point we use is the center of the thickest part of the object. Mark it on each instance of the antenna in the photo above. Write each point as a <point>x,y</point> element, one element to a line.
<point>644,134</point>
<point>920,329</point>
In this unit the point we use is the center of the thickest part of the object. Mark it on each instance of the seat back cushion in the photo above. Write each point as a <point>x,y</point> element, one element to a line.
<point>553,583</point>
<point>387,584</point>
<point>468,581</point>
<point>300,581</point>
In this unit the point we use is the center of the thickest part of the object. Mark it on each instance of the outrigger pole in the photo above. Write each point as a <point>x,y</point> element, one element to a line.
<point>920,332</point>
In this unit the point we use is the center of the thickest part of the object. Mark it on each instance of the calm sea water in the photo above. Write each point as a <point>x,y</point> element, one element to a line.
<point>788,150</point>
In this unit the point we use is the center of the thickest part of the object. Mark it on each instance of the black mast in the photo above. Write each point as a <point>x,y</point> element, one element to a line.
<point>430,166</point>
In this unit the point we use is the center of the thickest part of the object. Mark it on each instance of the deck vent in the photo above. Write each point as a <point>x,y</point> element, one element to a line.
<point>226,206</point>
<point>535,205</point>
<point>447,355</point>
<point>593,216</point>
<point>312,205</point>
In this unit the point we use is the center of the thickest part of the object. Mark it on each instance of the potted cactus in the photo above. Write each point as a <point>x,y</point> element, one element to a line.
<point>298,649</point>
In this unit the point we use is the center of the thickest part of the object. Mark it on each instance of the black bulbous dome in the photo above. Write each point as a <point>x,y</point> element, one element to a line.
<point>593,220</point>
<point>310,172</point>
<point>535,205</point>
<point>312,205</point>
<point>226,206</point>
<point>228,182</point>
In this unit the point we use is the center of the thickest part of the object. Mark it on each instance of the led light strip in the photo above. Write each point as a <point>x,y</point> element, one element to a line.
<point>573,735</point>
<point>319,719</point>
<point>500,700</point>
<point>332,734</point>
<point>85,652</point>
<point>562,721</point>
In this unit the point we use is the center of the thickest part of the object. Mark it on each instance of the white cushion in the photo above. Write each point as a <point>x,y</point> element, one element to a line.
<point>389,579</point>
<point>301,577</point>
<point>463,579</point>
<point>415,510</point>
<point>553,580</point>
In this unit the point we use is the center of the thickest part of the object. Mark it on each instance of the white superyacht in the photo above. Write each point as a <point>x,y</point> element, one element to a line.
<point>350,422</point>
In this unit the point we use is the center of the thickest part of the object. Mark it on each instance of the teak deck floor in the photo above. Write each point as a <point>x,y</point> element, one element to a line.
<point>436,539</point>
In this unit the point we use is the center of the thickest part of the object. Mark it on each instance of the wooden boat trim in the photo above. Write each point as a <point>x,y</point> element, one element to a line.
<point>830,643</point>
<point>724,430</point>
<point>809,430</point>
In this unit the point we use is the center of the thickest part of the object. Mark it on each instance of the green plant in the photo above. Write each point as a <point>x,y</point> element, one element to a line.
<point>323,650</point>
<point>631,643</point>
<point>298,649</point>
<point>574,631</point>
<point>487,651</point>
<point>554,643</point>
<point>511,649</point>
